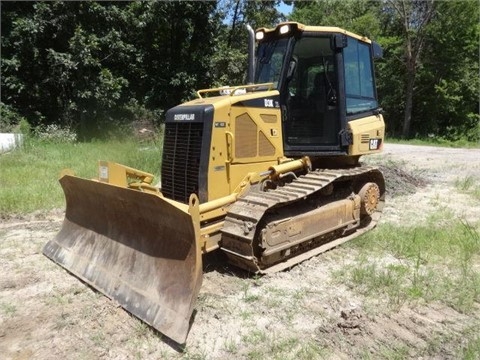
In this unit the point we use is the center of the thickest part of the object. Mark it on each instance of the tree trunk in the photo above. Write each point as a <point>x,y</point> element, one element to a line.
<point>415,15</point>
<point>411,62</point>
<point>408,104</point>
<point>234,22</point>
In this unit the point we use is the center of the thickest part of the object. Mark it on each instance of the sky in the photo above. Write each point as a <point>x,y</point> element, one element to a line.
<point>285,9</point>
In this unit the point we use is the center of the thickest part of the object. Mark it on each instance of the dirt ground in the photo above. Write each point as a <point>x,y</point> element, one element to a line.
<point>302,313</point>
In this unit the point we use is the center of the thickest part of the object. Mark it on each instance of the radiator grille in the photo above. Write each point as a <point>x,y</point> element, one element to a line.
<point>181,160</point>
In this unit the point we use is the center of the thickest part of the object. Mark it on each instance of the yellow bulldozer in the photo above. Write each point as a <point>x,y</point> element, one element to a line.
<point>267,172</point>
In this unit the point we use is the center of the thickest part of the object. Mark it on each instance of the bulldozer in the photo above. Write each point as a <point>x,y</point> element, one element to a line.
<point>268,173</point>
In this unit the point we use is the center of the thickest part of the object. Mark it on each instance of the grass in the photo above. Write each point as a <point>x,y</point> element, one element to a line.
<point>462,345</point>
<point>471,350</point>
<point>433,262</point>
<point>29,176</point>
<point>8,309</point>
<point>248,297</point>
<point>435,142</point>
<point>394,351</point>
<point>263,344</point>
<point>230,346</point>
<point>469,185</point>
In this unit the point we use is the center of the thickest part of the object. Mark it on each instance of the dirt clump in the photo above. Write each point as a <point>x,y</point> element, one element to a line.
<point>399,181</point>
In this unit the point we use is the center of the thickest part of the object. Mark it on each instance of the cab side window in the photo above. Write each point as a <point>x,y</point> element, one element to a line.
<point>359,79</point>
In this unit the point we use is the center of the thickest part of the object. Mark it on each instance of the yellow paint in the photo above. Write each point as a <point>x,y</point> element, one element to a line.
<point>245,149</point>
<point>364,130</point>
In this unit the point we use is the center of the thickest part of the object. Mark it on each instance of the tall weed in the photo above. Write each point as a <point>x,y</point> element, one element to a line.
<point>469,185</point>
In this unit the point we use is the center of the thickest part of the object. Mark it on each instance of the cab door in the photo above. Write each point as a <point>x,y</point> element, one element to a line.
<point>311,111</point>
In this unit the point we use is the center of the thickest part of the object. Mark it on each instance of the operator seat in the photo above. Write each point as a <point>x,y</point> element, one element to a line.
<point>318,96</point>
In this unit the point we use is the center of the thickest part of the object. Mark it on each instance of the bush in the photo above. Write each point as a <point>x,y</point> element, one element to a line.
<point>55,134</point>
<point>24,127</point>
<point>9,118</point>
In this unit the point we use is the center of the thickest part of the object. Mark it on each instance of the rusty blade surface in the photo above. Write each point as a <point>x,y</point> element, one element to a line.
<point>134,247</point>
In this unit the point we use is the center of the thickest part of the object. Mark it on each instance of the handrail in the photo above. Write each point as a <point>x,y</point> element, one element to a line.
<point>229,137</point>
<point>233,89</point>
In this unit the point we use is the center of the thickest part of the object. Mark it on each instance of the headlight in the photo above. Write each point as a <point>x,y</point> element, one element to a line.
<point>284,29</point>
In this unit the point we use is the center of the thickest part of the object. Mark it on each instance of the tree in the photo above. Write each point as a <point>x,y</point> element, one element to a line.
<point>413,17</point>
<point>60,63</point>
<point>91,65</point>
<point>448,82</point>
<point>229,62</point>
<point>83,64</point>
<point>358,16</point>
<point>176,42</point>
<point>428,80</point>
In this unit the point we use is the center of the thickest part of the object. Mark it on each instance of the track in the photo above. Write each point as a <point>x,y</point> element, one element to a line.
<point>251,214</point>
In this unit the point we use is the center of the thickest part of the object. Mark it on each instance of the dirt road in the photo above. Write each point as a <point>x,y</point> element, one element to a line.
<point>303,313</point>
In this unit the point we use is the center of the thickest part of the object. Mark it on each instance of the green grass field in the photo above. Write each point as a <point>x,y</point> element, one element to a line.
<point>29,175</point>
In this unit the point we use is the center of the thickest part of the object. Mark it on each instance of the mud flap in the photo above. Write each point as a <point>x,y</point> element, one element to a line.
<point>136,248</point>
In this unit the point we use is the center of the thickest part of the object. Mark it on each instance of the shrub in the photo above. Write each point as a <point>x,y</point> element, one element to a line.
<point>55,134</point>
<point>24,127</point>
<point>9,118</point>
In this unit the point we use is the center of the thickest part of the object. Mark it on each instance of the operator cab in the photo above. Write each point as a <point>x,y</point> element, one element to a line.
<point>325,78</point>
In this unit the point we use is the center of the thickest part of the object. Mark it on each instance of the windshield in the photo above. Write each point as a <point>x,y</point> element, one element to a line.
<point>270,56</point>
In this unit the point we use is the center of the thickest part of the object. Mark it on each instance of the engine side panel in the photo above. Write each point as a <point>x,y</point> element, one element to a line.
<point>368,135</point>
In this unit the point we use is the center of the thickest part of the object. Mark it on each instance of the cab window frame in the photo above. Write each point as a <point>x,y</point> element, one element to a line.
<point>360,92</point>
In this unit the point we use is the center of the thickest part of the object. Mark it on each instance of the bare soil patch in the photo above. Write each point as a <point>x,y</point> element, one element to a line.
<point>303,313</point>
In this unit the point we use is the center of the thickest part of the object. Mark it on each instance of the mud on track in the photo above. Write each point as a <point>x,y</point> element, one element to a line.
<point>45,313</point>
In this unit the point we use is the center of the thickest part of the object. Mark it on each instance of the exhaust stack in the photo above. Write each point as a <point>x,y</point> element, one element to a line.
<point>251,55</point>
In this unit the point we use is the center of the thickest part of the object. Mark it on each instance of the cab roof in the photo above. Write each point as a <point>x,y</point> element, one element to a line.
<point>298,27</point>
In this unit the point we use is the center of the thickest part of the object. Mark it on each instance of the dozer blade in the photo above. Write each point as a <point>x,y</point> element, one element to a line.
<point>134,247</point>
